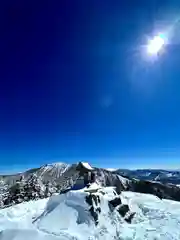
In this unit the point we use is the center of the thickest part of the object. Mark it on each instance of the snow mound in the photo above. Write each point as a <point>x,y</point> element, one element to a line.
<point>78,216</point>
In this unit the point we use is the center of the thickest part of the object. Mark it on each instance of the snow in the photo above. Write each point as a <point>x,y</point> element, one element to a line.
<point>93,186</point>
<point>54,169</point>
<point>155,218</point>
<point>21,215</point>
<point>111,169</point>
<point>66,217</point>
<point>86,165</point>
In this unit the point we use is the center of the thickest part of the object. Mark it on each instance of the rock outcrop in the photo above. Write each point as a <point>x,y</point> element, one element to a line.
<point>114,204</point>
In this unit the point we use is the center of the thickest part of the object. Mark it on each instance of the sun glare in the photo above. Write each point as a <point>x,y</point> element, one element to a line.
<point>155,45</point>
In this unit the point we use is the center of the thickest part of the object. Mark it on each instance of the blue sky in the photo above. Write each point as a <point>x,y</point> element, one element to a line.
<point>74,85</point>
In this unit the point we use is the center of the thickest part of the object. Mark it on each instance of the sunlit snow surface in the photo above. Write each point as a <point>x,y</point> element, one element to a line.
<point>66,217</point>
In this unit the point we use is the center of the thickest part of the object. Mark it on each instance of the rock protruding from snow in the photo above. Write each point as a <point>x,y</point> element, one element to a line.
<point>115,202</point>
<point>123,209</point>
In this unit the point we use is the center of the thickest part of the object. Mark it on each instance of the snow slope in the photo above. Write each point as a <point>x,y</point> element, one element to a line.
<point>67,217</point>
<point>21,215</point>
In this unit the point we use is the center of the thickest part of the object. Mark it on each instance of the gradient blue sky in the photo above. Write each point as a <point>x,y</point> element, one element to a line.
<point>74,85</point>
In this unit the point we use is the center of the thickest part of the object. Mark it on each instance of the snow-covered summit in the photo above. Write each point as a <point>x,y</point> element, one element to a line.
<point>94,214</point>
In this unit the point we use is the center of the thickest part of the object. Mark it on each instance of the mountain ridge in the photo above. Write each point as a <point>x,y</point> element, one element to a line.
<point>48,179</point>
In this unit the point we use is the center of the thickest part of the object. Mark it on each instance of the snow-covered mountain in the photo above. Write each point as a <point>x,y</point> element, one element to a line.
<point>47,173</point>
<point>97,214</point>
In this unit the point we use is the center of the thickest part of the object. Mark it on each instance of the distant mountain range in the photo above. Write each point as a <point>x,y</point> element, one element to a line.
<point>163,176</point>
<point>53,178</point>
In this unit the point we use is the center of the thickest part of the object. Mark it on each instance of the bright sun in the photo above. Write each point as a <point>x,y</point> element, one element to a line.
<point>155,45</point>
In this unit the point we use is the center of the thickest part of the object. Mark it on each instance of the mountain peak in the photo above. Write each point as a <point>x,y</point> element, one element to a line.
<point>54,169</point>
